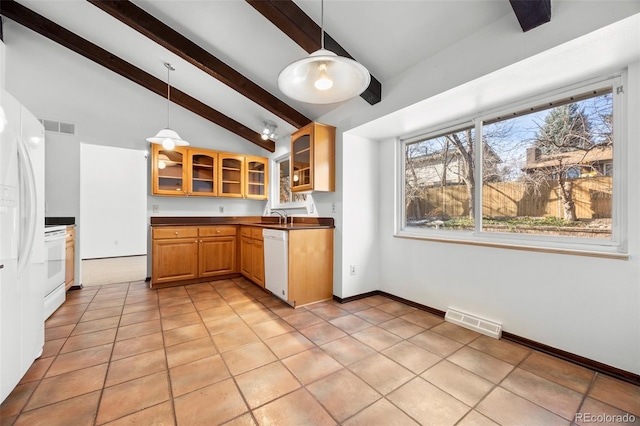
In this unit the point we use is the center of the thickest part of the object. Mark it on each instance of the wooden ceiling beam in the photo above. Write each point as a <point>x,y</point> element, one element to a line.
<point>170,39</point>
<point>292,21</point>
<point>531,13</point>
<point>35,22</point>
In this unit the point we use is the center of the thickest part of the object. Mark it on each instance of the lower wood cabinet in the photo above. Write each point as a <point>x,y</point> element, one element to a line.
<point>252,254</point>
<point>216,250</point>
<point>70,258</point>
<point>310,266</point>
<point>184,253</point>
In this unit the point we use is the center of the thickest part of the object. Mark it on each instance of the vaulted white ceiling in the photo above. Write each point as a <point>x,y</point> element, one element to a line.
<point>388,37</point>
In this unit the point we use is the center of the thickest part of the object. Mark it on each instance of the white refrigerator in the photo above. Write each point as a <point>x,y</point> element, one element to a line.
<point>22,268</point>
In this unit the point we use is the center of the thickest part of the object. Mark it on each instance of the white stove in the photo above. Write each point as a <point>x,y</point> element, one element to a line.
<point>55,249</point>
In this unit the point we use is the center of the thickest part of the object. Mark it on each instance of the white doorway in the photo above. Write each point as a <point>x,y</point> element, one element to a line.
<point>113,213</point>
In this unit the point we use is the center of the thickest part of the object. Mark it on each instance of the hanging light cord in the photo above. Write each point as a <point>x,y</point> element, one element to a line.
<point>322,24</point>
<point>169,69</point>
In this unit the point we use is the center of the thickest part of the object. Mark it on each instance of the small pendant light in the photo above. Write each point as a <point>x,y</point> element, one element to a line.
<point>323,77</point>
<point>167,137</point>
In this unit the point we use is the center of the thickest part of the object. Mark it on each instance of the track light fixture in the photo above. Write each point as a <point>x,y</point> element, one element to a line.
<point>269,130</point>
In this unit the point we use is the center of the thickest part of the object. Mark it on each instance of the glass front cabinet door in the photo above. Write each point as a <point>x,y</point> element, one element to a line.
<point>313,158</point>
<point>169,171</point>
<point>257,178</point>
<point>203,173</point>
<point>301,158</point>
<point>231,175</point>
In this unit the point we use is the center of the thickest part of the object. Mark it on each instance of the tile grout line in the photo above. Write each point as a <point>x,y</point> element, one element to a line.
<point>592,383</point>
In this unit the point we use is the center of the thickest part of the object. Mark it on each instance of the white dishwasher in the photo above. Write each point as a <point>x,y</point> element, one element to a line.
<point>276,262</point>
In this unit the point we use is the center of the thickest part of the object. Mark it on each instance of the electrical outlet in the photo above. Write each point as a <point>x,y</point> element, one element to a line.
<point>311,208</point>
<point>115,242</point>
<point>333,208</point>
<point>221,209</point>
<point>352,269</point>
<point>156,208</point>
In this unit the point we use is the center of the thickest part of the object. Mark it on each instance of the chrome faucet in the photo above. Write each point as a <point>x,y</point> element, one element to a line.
<point>282,215</point>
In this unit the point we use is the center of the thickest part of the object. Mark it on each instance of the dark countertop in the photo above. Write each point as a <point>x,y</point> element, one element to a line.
<point>270,222</point>
<point>59,220</point>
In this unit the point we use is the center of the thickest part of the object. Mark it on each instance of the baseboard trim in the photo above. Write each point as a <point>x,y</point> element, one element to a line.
<point>591,364</point>
<point>597,366</point>
<point>354,298</point>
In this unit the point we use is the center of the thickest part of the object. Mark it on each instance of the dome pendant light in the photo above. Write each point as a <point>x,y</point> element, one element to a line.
<point>323,77</point>
<point>167,137</point>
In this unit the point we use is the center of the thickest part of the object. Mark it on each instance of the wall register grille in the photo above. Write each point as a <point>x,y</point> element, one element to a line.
<point>474,323</point>
<point>58,126</point>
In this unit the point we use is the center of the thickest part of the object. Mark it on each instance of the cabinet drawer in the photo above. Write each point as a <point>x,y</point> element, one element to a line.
<point>245,231</point>
<point>217,231</point>
<point>256,233</point>
<point>175,232</point>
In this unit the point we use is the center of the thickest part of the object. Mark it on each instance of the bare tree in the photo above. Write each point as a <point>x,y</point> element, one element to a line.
<point>464,143</point>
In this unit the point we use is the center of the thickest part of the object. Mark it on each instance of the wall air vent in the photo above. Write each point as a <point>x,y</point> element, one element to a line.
<point>474,323</point>
<point>58,127</point>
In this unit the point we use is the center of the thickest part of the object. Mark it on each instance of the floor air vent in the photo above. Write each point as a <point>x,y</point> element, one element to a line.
<point>59,127</point>
<point>471,322</point>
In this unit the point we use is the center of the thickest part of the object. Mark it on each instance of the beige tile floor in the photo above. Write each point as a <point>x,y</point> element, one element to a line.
<point>226,352</point>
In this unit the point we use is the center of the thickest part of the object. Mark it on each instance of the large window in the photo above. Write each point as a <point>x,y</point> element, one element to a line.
<point>541,173</point>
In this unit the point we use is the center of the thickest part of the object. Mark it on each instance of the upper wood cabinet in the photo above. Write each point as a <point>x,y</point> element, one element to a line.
<point>169,170</point>
<point>313,158</point>
<point>257,177</point>
<point>231,175</point>
<point>201,172</point>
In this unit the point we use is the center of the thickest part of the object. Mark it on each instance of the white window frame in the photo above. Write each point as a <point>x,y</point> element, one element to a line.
<point>275,189</point>
<point>616,247</point>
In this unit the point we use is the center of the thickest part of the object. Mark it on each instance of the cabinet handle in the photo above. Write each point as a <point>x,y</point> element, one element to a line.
<point>218,231</point>
<point>176,232</point>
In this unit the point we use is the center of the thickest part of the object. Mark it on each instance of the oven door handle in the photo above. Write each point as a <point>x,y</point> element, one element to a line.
<point>55,237</point>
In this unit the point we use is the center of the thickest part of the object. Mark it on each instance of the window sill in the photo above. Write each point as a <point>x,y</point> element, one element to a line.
<point>518,246</point>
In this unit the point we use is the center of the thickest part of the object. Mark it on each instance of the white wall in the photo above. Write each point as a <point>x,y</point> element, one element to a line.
<point>360,211</point>
<point>113,203</point>
<point>62,175</point>
<point>587,306</point>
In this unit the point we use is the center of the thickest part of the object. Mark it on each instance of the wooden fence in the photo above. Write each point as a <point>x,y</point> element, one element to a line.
<point>592,198</point>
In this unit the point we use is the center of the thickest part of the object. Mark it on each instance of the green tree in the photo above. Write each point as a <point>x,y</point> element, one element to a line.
<point>566,128</point>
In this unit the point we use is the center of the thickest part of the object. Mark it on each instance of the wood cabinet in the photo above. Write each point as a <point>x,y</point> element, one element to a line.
<point>184,253</point>
<point>256,177</point>
<point>232,175</point>
<point>202,173</point>
<point>313,158</point>
<point>310,266</point>
<point>175,254</point>
<point>252,254</point>
<point>216,251</point>
<point>70,258</point>
<point>206,173</point>
<point>168,170</point>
